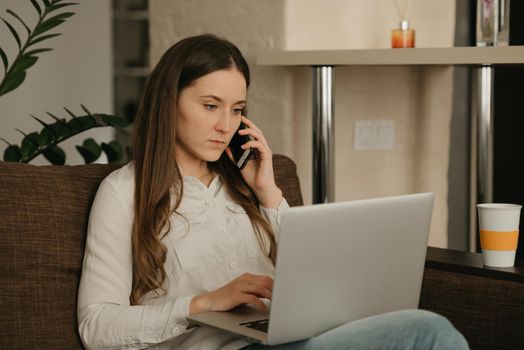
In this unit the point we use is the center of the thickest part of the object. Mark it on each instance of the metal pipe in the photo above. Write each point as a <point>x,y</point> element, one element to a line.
<point>485,134</point>
<point>484,110</point>
<point>323,137</point>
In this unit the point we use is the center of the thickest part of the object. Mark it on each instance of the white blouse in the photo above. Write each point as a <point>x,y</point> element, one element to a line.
<point>210,245</point>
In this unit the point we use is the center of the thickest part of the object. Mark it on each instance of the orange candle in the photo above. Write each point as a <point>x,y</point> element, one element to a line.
<point>403,37</point>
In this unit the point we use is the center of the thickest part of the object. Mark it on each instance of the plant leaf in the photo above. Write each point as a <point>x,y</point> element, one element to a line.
<point>12,83</point>
<point>5,61</point>
<point>47,3</point>
<point>57,6</point>
<point>71,114</point>
<point>89,150</point>
<point>58,120</point>
<point>12,13</point>
<point>37,51</point>
<point>55,155</point>
<point>13,31</point>
<point>43,37</point>
<point>61,127</point>
<point>92,146</point>
<point>113,150</point>
<point>29,144</point>
<point>7,142</point>
<point>115,121</point>
<point>88,156</point>
<point>87,121</point>
<point>99,120</point>
<point>86,110</point>
<point>47,25</point>
<point>75,126</point>
<point>45,137</point>
<point>32,137</point>
<point>23,64</point>
<point>12,154</point>
<point>37,7</point>
<point>46,126</point>
<point>61,131</point>
<point>60,17</point>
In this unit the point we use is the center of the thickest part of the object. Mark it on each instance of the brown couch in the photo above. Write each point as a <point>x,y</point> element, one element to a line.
<point>43,220</point>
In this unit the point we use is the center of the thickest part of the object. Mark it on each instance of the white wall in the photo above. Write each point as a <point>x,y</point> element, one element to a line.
<point>418,100</point>
<point>78,71</point>
<point>364,24</point>
<point>253,26</point>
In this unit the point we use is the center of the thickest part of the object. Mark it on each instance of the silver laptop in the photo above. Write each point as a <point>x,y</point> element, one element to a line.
<point>337,263</point>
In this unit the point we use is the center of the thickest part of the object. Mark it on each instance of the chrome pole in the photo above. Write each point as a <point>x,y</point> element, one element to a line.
<point>485,134</point>
<point>485,120</point>
<point>323,137</point>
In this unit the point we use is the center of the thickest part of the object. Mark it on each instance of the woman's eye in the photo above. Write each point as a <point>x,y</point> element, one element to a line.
<point>238,110</point>
<point>210,107</point>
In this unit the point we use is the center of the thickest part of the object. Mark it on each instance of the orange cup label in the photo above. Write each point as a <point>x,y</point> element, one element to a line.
<point>499,240</point>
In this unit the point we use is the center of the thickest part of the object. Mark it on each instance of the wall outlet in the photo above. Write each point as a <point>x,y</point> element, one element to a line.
<point>374,135</point>
<point>385,134</point>
<point>364,138</point>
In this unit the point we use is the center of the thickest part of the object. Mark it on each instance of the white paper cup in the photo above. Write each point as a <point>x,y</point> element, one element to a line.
<point>499,233</point>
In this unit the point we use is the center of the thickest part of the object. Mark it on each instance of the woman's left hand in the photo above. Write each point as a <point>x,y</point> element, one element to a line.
<point>258,172</point>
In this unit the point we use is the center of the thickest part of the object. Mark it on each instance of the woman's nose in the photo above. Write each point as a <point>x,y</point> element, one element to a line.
<point>225,123</point>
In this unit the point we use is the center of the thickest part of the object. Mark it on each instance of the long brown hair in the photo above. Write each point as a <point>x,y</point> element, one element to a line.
<point>158,182</point>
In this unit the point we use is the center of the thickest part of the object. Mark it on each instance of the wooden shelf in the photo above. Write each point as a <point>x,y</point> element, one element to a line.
<point>508,55</point>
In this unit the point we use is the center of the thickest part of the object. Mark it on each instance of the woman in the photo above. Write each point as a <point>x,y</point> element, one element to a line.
<point>181,230</point>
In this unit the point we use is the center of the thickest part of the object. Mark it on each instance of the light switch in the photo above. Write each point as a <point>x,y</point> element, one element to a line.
<point>385,134</point>
<point>374,135</point>
<point>364,135</point>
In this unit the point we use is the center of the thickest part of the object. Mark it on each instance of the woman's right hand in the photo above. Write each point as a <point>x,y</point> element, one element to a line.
<point>246,289</point>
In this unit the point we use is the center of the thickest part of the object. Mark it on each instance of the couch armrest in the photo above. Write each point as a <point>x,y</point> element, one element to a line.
<point>485,304</point>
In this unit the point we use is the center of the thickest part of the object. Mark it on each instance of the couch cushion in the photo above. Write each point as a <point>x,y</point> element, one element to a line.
<point>43,221</point>
<point>287,179</point>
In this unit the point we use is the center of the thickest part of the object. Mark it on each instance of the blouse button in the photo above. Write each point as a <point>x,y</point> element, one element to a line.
<point>233,265</point>
<point>176,330</point>
<point>208,202</point>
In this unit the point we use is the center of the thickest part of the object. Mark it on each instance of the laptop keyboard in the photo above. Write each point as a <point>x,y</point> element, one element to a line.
<point>259,325</point>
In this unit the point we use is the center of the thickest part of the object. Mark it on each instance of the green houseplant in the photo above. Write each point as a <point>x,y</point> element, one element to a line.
<point>46,141</point>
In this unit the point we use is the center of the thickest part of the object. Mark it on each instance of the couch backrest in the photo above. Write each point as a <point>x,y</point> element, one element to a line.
<point>43,221</point>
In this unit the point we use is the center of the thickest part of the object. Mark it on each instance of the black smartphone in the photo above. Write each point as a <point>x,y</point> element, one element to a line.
<point>240,156</point>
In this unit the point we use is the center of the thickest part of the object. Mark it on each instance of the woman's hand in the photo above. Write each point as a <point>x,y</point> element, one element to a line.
<point>258,172</point>
<point>246,289</point>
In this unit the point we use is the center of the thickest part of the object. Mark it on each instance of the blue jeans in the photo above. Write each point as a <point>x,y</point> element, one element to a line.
<point>408,329</point>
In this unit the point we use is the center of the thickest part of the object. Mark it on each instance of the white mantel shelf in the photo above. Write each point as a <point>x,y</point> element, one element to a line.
<point>507,55</point>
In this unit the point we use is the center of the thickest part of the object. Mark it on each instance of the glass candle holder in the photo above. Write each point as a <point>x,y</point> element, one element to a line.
<point>403,37</point>
<point>493,22</point>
